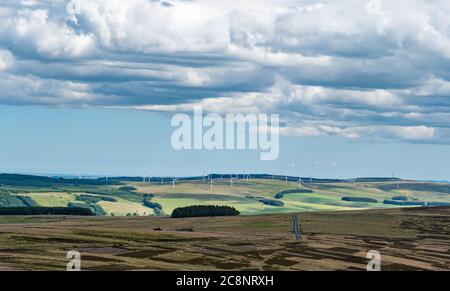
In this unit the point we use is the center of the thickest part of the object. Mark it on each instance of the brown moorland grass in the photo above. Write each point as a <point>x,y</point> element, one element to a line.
<point>408,239</point>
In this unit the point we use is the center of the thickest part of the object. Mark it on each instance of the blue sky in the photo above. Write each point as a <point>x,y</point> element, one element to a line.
<point>126,142</point>
<point>362,87</point>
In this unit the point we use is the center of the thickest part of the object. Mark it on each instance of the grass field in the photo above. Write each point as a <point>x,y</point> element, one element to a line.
<point>408,239</point>
<point>52,199</point>
<point>122,207</point>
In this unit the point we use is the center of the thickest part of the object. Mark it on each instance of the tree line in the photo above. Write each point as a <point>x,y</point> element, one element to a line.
<point>204,211</point>
<point>75,211</point>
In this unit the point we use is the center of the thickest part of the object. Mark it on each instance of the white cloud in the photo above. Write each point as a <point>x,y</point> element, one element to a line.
<point>312,111</point>
<point>328,67</point>
<point>414,132</point>
<point>407,133</point>
<point>25,90</point>
<point>184,26</point>
<point>34,32</point>
<point>304,131</point>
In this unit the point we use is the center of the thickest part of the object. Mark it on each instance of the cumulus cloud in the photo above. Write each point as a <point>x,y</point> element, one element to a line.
<point>327,67</point>
<point>33,32</point>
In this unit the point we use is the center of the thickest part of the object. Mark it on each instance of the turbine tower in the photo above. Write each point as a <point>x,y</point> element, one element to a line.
<point>174,179</point>
<point>212,183</point>
<point>246,175</point>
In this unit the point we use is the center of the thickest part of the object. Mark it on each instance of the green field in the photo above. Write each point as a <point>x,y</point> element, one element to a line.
<point>243,196</point>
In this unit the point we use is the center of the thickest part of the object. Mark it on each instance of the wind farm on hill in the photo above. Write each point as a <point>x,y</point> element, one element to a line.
<point>250,194</point>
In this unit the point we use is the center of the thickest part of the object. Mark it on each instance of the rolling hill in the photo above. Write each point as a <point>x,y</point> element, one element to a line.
<point>260,194</point>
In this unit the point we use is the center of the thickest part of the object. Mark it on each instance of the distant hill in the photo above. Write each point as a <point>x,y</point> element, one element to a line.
<point>415,186</point>
<point>374,179</point>
<point>216,176</point>
<point>260,194</point>
<point>41,181</point>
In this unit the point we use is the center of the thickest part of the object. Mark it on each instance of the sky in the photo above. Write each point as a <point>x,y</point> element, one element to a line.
<point>362,87</point>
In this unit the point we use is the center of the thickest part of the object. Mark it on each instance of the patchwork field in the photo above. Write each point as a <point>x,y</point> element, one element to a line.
<point>121,207</point>
<point>245,196</point>
<point>408,239</point>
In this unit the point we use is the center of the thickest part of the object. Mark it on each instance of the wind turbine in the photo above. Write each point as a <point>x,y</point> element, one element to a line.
<point>246,175</point>
<point>231,180</point>
<point>212,183</point>
<point>174,179</point>
<point>300,182</point>
<point>396,179</point>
